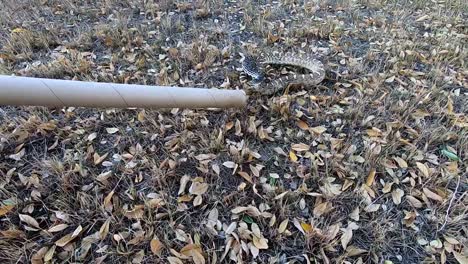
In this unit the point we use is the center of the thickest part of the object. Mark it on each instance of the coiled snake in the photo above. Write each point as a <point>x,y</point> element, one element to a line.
<point>262,85</point>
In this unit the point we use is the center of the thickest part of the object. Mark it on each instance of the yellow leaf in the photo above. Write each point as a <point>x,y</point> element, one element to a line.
<point>156,246</point>
<point>302,125</point>
<point>5,209</point>
<point>141,116</point>
<point>19,30</point>
<point>371,177</point>
<point>292,156</point>
<point>423,168</point>
<point>306,227</point>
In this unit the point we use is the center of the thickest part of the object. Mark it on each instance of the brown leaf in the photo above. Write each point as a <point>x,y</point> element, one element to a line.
<point>156,246</point>
<point>432,195</point>
<point>5,209</point>
<point>371,177</point>
<point>50,254</point>
<point>320,209</point>
<point>246,176</point>
<point>414,201</point>
<point>302,125</point>
<point>39,255</point>
<point>136,213</point>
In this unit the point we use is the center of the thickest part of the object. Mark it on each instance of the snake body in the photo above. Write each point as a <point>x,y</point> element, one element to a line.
<point>260,84</point>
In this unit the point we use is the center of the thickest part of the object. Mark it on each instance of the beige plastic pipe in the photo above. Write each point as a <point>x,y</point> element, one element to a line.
<point>26,91</point>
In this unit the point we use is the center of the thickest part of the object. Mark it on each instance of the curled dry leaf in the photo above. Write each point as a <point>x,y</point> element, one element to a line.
<point>260,243</point>
<point>183,183</point>
<point>300,147</point>
<point>371,177</point>
<point>414,201</point>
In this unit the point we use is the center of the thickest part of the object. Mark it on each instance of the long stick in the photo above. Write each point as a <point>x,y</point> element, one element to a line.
<point>25,91</point>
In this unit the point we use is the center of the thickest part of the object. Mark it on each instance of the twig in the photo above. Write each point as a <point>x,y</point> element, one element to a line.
<point>450,205</point>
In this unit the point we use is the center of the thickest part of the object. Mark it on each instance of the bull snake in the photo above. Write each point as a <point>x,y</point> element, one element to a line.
<point>262,85</point>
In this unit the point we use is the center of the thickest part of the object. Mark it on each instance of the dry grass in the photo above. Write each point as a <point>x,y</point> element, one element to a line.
<point>368,167</point>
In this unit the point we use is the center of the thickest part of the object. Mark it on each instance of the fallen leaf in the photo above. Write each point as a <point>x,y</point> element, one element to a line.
<point>104,230</point>
<point>198,188</point>
<point>397,194</point>
<point>5,209</point>
<point>431,195</point>
<point>64,240</point>
<point>346,237</point>
<point>414,201</point>
<point>229,164</point>
<point>318,130</point>
<point>423,168</point>
<point>260,243</point>
<point>136,213</point>
<point>300,147</point>
<point>306,227</point>
<point>292,156</point>
<point>246,176</point>
<point>156,246</point>
<point>57,228</point>
<point>401,162</point>
<point>282,227</point>
<point>29,220</point>
<point>112,130</point>
<point>371,177</point>
<point>183,183</point>
<point>302,125</point>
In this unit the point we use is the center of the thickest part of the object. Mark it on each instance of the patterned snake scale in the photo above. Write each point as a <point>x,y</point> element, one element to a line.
<point>315,76</point>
